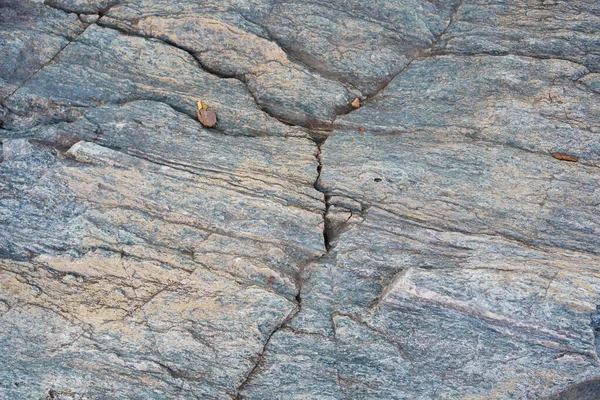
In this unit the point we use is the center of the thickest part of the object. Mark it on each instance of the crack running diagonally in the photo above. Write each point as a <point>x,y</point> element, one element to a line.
<point>261,355</point>
<point>46,63</point>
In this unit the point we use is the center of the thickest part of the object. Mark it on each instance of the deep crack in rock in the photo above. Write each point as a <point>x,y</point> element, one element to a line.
<point>425,244</point>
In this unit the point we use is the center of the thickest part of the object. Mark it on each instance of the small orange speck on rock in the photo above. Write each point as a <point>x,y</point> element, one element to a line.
<point>356,103</point>
<point>361,129</point>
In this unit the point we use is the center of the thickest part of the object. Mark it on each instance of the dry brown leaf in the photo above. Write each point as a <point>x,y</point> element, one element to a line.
<point>565,157</point>
<point>206,116</point>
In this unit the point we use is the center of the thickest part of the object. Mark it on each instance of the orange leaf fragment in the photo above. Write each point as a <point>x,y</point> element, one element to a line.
<point>565,157</point>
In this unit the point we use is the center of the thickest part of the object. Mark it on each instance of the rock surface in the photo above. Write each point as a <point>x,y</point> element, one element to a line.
<point>428,244</point>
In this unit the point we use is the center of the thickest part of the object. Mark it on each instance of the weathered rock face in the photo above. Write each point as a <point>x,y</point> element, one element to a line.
<point>534,28</point>
<point>440,242</point>
<point>30,35</point>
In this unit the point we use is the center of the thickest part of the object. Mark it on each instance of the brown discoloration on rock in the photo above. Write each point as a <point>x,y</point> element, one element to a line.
<point>356,103</point>
<point>65,141</point>
<point>565,157</point>
<point>361,129</point>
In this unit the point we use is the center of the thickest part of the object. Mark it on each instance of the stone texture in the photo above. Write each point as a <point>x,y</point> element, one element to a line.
<point>31,34</point>
<point>546,29</point>
<point>102,67</point>
<point>425,245</point>
<point>304,62</point>
<point>141,262</point>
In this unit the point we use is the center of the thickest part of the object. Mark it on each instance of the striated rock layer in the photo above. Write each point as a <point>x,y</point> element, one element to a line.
<point>442,241</point>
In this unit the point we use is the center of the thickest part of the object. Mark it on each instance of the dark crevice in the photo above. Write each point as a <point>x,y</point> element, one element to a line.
<point>327,235</point>
<point>326,197</point>
<point>595,324</point>
<point>328,232</point>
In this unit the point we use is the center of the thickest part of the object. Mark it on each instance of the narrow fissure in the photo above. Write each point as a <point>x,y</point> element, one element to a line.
<point>261,355</point>
<point>326,197</point>
<point>319,142</point>
<point>45,64</point>
<point>595,324</point>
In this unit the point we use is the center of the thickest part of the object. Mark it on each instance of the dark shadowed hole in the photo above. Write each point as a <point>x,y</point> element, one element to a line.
<point>377,179</point>
<point>589,390</point>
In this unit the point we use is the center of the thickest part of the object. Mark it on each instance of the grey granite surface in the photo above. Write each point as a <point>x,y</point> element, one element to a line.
<point>441,241</point>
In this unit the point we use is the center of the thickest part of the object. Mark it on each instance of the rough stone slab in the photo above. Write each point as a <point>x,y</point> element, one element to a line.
<point>83,6</point>
<point>438,244</point>
<point>117,68</point>
<point>473,186</point>
<point>448,151</point>
<point>464,257</point>
<point>158,133</point>
<point>534,105</point>
<point>446,314</point>
<point>147,268</point>
<point>565,30</point>
<point>103,337</point>
<point>296,365</point>
<point>31,34</point>
<point>281,87</point>
<point>300,60</point>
